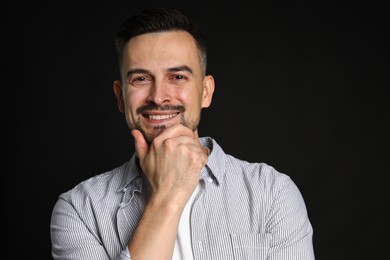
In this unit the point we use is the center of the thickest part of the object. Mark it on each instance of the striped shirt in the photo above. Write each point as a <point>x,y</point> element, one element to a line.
<point>243,210</point>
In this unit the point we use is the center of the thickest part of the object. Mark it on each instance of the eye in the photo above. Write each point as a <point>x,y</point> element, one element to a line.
<point>178,77</point>
<point>140,81</point>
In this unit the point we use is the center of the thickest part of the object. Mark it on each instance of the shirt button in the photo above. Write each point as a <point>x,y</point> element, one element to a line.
<point>200,246</point>
<point>209,180</point>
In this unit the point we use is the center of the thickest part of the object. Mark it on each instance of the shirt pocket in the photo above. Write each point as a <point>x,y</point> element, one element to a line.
<point>250,246</point>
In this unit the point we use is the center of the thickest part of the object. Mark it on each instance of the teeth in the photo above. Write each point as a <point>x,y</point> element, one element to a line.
<point>161,117</point>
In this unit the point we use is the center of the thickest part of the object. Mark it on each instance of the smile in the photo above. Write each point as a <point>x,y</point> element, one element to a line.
<point>161,117</point>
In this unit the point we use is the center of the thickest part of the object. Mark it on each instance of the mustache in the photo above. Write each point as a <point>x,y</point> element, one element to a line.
<point>152,106</point>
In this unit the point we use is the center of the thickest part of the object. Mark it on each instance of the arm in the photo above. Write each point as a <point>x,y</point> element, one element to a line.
<point>172,165</point>
<point>71,238</point>
<point>289,225</point>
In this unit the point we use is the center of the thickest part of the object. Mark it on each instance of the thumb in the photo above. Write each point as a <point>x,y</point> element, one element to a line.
<point>141,147</point>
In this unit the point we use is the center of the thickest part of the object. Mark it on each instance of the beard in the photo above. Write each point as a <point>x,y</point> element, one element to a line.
<point>157,130</point>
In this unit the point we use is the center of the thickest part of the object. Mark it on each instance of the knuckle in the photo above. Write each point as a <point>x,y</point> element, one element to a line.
<point>170,144</point>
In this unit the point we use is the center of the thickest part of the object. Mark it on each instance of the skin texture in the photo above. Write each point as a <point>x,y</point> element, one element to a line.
<point>162,92</point>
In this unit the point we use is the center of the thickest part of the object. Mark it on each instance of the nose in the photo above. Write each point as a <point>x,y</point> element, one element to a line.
<point>159,93</point>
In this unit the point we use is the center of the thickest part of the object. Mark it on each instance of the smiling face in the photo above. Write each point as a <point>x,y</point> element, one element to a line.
<point>162,83</point>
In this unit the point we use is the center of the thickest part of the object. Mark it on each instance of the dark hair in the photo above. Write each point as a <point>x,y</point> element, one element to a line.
<point>159,20</point>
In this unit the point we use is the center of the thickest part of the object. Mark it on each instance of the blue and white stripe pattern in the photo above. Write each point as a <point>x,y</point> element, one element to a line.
<point>243,211</point>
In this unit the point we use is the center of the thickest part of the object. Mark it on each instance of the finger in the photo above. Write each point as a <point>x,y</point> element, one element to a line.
<point>141,146</point>
<point>175,131</point>
<point>179,140</point>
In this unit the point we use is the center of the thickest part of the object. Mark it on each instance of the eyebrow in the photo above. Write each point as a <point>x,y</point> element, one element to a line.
<point>134,71</point>
<point>181,68</point>
<point>173,69</point>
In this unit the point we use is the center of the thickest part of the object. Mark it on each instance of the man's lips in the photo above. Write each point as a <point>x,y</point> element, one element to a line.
<point>160,116</point>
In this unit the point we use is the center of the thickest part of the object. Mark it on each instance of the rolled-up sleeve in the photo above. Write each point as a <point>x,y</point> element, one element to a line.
<point>72,239</point>
<point>289,225</point>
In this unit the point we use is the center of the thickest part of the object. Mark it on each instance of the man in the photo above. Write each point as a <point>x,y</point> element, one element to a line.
<point>180,196</point>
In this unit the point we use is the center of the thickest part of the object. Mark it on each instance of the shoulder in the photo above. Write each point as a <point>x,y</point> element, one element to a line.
<point>265,185</point>
<point>257,172</point>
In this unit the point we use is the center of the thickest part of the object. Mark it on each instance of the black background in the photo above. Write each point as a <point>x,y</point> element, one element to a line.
<point>300,85</point>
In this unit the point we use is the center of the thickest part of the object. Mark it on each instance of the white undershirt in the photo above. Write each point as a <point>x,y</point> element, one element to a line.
<point>183,248</point>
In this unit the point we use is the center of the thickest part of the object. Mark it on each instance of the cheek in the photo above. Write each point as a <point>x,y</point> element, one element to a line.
<point>192,108</point>
<point>131,107</point>
<point>134,99</point>
<point>190,99</point>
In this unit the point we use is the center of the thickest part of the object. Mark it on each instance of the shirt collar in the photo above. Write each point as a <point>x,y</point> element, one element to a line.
<point>131,175</point>
<point>215,167</point>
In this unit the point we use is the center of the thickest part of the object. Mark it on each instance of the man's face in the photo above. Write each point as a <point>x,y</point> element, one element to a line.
<point>162,83</point>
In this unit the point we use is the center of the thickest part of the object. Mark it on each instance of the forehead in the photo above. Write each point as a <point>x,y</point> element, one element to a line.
<point>161,50</point>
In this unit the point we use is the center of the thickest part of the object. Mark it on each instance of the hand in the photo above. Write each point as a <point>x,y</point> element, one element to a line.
<point>172,163</point>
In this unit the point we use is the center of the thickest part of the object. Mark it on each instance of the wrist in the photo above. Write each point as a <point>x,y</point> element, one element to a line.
<point>166,204</point>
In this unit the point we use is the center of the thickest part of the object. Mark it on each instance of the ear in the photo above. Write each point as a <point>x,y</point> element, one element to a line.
<point>118,91</point>
<point>208,90</point>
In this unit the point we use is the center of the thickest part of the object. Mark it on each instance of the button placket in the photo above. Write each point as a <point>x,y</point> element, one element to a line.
<point>198,226</point>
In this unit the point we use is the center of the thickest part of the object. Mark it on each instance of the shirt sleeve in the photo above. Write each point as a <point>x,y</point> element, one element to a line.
<point>72,240</point>
<point>289,225</point>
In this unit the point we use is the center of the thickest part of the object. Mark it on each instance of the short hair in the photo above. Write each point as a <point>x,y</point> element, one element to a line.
<point>159,20</point>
